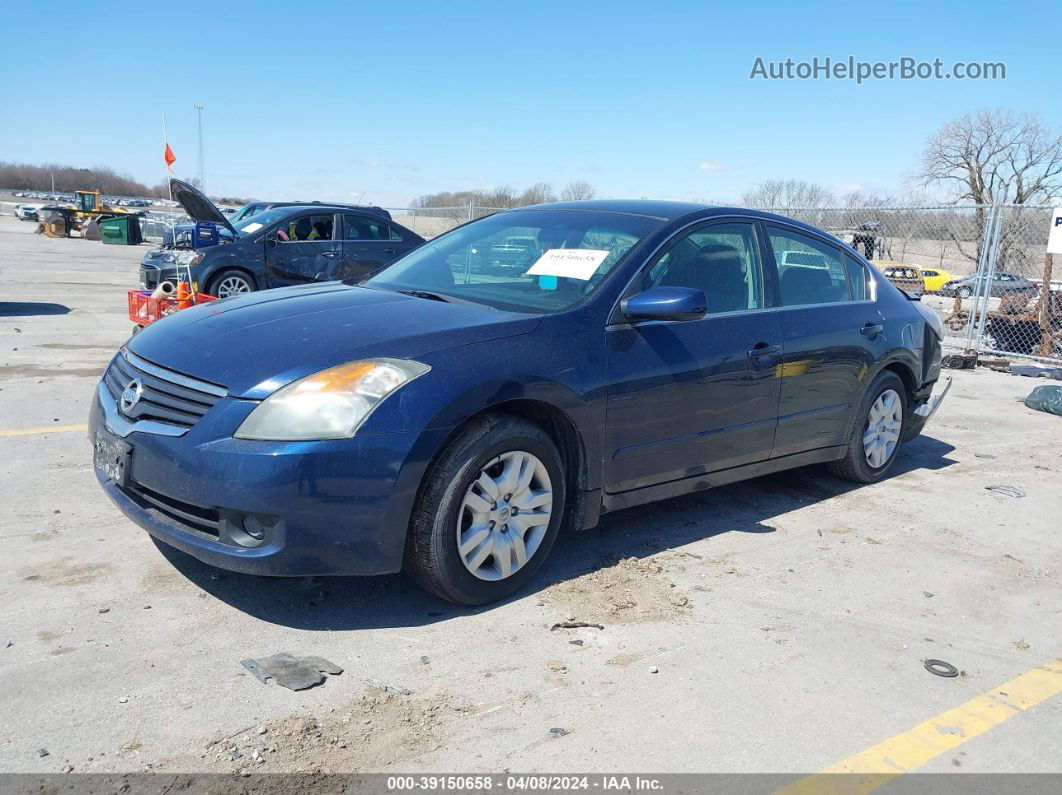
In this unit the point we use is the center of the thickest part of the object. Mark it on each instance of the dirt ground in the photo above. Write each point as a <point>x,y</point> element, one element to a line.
<point>776,625</point>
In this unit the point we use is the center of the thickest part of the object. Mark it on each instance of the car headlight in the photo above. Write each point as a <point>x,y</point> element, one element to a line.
<point>331,404</point>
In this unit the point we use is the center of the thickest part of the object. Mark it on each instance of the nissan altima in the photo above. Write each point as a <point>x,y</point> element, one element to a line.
<point>451,414</point>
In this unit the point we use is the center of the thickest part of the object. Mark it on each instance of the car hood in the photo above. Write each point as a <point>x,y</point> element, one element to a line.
<point>198,205</point>
<point>254,344</point>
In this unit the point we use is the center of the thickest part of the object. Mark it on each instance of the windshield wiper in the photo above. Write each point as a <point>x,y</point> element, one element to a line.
<point>425,294</point>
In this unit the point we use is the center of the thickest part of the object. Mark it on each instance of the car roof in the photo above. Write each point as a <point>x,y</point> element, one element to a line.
<point>666,210</point>
<point>272,205</point>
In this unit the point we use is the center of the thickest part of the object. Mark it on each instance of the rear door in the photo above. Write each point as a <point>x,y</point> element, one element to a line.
<point>302,249</point>
<point>369,243</point>
<point>832,334</point>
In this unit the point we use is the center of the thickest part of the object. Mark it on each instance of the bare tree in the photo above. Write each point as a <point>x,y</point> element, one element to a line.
<point>994,157</point>
<point>785,195</point>
<point>501,197</point>
<point>579,190</point>
<point>537,194</point>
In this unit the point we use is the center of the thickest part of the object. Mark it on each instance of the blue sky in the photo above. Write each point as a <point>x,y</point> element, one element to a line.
<point>334,100</point>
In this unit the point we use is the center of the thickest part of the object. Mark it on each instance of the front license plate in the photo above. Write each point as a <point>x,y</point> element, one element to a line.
<point>112,457</point>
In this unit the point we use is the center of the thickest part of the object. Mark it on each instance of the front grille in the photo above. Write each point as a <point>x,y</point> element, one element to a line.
<point>204,521</point>
<point>165,396</point>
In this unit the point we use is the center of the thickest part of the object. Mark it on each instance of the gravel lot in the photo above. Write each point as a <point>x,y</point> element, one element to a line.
<point>778,625</point>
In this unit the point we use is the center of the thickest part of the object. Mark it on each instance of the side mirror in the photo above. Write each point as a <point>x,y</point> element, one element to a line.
<point>666,303</point>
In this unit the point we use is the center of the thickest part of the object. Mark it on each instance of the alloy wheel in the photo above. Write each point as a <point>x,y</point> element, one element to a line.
<point>882,431</point>
<point>232,285</point>
<point>504,515</point>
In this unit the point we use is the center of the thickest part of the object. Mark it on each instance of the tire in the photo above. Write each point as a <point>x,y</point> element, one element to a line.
<point>964,292</point>
<point>232,282</point>
<point>453,487</point>
<point>912,428</point>
<point>856,465</point>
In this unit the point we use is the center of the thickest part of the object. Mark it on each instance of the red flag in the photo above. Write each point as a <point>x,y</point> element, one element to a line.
<point>169,157</point>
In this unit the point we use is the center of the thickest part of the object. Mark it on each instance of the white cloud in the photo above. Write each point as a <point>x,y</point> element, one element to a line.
<point>708,165</point>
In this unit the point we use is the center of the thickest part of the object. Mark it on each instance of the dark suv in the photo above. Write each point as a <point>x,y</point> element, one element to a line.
<point>281,246</point>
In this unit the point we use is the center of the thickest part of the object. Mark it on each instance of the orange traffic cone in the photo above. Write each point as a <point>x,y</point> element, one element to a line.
<point>184,297</point>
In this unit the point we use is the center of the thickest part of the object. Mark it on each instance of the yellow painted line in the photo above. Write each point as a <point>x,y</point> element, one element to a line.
<point>46,429</point>
<point>917,746</point>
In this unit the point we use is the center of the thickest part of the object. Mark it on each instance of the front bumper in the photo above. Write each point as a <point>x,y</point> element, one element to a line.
<point>929,407</point>
<point>327,508</point>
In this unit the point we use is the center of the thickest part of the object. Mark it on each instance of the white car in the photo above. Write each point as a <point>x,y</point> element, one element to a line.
<point>26,212</point>
<point>808,259</point>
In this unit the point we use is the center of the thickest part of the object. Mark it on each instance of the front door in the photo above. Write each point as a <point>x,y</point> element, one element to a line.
<point>691,397</point>
<point>301,250</point>
<point>832,334</point>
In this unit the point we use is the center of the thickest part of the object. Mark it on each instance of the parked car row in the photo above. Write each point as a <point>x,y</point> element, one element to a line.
<point>531,370</point>
<point>916,281</point>
<point>114,201</point>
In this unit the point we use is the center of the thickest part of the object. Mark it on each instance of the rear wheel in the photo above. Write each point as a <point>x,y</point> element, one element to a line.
<point>878,431</point>
<point>964,292</point>
<point>488,512</point>
<point>231,282</point>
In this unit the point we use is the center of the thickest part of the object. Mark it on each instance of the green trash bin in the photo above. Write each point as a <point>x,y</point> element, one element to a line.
<point>121,230</point>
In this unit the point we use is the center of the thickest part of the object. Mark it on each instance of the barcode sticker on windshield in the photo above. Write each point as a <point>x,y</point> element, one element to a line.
<point>571,263</point>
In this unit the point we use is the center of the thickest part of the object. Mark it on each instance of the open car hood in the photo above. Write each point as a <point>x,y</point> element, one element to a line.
<point>198,206</point>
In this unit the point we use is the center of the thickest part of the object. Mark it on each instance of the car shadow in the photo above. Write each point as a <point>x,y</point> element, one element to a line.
<point>31,308</point>
<point>344,603</point>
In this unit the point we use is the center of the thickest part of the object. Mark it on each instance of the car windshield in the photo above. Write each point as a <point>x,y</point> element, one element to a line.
<point>258,221</point>
<point>520,260</point>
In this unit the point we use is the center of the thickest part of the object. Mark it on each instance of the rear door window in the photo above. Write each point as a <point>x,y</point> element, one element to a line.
<point>857,278</point>
<point>809,272</point>
<point>362,228</point>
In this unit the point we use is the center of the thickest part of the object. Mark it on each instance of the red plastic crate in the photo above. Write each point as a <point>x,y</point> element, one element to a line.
<point>144,310</point>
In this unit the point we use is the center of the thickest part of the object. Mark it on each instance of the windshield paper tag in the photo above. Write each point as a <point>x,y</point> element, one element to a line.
<point>570,263</point>
<point>252,227</point>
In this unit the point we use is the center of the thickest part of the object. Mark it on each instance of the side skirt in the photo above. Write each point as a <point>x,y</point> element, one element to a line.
<point>676,488</point>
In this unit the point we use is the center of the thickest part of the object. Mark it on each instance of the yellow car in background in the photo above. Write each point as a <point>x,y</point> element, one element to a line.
<point>935,279</point>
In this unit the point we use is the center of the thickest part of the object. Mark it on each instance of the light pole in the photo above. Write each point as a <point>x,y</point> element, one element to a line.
<point>199,110</point>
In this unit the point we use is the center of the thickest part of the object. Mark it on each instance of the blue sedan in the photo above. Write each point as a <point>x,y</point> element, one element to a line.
<point>451,414</point>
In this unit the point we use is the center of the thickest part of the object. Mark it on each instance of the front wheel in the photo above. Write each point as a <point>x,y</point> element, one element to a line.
<point>231,282</point>
<point>964,292</point>
<point>878,431</point>
<point>488,512</point>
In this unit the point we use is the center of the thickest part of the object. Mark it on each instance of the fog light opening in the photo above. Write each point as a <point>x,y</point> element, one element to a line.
<point>254,528</point>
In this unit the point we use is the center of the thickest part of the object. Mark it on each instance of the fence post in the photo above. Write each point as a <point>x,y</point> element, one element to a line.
<point>1047,307</point>
<point>470,210</point>
<point>991,277</point>
<point>982,262</point>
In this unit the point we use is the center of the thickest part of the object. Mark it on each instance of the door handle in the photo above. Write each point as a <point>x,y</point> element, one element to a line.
<point>872,330</point>
<point>390,251</point>
<point>328,253</point>
<point>764,349</point>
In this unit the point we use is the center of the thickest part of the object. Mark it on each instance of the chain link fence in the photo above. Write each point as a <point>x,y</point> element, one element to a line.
<point>982,269</point>
<point>429,222</point>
